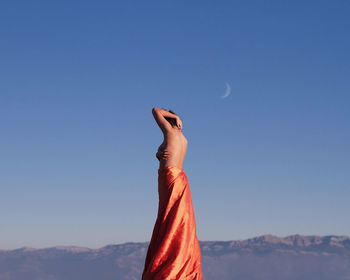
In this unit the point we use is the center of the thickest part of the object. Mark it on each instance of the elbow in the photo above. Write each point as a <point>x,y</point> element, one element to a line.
<point>154,110</point>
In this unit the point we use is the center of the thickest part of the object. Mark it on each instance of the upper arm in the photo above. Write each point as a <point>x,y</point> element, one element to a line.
<point>163,124</point>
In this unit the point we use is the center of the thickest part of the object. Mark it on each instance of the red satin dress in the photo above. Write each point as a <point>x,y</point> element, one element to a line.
<point>173,252</point>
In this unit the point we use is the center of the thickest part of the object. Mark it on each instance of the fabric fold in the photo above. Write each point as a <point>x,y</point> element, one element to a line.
<point>173,252</point>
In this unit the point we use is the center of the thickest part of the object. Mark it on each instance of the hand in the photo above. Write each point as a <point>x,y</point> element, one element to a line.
<point>162,154</point>
<point>178,123</point>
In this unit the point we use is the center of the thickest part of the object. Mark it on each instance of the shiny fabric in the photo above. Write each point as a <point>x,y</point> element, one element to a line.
<point>173,252</point>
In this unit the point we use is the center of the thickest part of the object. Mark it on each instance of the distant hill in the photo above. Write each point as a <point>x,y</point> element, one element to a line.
<point>266,257</point>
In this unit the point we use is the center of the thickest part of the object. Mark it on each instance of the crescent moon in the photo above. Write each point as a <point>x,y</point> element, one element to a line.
<point>228,91</point>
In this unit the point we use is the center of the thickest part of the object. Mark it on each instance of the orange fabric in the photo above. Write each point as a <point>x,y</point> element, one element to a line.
<point>173,252</point>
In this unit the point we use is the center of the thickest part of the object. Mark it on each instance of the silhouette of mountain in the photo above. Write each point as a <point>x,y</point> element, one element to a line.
<point>263,257</point>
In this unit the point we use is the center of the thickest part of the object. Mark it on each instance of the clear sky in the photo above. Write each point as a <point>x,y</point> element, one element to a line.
<point>78,80</point>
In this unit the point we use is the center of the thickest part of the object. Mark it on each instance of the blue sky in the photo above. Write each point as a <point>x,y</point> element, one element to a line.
<point>78,140</point>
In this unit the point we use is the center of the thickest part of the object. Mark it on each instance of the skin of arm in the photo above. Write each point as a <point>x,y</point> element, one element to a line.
<point>165,113</point>
<point>160,114</point>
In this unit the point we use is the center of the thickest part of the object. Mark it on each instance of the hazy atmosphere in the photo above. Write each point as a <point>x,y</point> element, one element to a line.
<point>78,140</point>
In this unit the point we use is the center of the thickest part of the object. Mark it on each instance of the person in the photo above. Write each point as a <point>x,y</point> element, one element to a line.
<point>173,252</point>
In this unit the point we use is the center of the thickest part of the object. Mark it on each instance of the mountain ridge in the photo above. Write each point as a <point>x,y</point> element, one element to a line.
<point>295,239</point>
<point>301,257</point>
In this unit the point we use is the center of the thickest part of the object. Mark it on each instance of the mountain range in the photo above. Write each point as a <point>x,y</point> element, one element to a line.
<point>295,257</point>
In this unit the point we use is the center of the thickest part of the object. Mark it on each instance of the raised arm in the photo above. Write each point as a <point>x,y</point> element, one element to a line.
<point>160,115</point>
